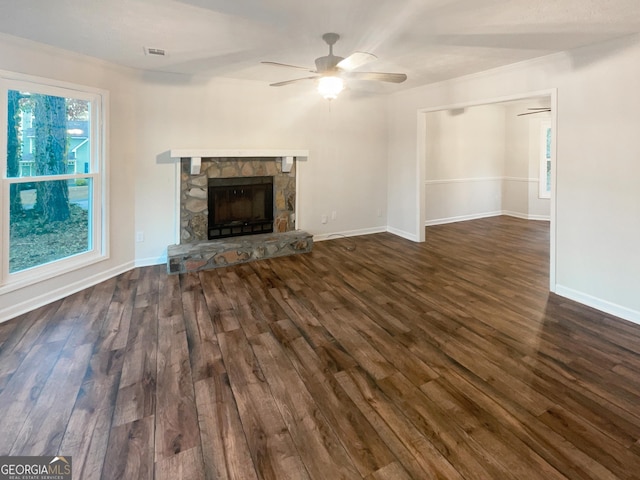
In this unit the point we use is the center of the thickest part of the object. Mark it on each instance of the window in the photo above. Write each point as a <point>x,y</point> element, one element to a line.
<point>52,185</point>
<point>544,182</point>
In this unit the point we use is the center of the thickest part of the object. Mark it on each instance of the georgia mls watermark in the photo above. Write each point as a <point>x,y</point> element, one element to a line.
<point>35,468</point>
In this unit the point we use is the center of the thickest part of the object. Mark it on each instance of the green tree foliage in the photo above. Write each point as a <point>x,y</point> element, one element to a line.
<point>77,109</point>
<point>50,152</point>
<point>13,149</point>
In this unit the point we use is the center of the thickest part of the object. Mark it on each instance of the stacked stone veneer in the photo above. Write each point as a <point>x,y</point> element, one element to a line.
<point>194,211</point>
<point>193,257</point>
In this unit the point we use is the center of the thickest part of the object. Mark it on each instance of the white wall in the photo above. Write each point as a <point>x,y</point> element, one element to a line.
<point>464,163</point>
<point>597,201</point>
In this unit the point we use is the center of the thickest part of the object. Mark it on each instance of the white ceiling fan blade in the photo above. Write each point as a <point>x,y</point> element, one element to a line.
<point>287,82</point>
<point>355,60</point>
<point>534,112</point>
<point>277,64</point>
<point>379,76</point>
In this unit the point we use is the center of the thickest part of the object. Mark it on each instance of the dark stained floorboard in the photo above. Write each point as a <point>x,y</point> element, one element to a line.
<point>370,358</point>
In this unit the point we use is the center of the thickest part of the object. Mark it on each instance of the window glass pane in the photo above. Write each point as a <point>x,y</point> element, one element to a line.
<point>49,220</point>
<point>548,159</point>
<point>47,135</point>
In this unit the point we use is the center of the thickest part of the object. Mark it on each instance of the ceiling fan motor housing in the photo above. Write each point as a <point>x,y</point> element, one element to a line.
<point>328,63</point>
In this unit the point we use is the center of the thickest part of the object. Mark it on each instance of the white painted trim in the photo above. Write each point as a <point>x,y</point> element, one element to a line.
<point>179,153</point>
<point>421,176</point>
<point>599,304</point>
<point>406,235</point>
<point>525,216</point>
<point>150,261</point>
<point>491,101</point>
<point>553,213</point>
<point>464,180</point>
<point>64,291</point>
<point>481,179</point>
<point>321,237</point>
<point>520,179</point>
<point>478,216</point>
<point>461,218</point>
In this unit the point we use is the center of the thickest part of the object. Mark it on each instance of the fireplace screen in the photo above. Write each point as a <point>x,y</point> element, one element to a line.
<point>240,206</point>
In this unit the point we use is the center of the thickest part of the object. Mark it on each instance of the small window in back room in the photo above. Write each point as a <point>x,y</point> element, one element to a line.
<point>545,160</point>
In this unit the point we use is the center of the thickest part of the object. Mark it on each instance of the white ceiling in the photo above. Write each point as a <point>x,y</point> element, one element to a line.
<point>429,40</point>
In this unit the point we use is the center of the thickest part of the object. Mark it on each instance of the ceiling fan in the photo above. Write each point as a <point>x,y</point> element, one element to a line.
<point>331,70</point>
<point>535,110</point>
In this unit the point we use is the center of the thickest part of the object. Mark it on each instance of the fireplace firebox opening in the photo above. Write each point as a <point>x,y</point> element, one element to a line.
<point>240,206</point>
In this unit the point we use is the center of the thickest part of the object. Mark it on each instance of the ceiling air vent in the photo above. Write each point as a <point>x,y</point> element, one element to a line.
<point>158,52</point>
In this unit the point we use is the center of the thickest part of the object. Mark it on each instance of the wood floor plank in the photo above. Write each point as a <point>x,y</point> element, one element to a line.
<point>411,446</point>
<point>562,455</point>
<point>185,464</point>
<point>317,444</point>
<point>22,392</point>
<point>270,443</point>
<point>370,357</point>
<point>176,418</point>
<point>363,444</point>
<point>130,451</point>
<point>115,328</point>
<point>225,449</point>
<point>87,433</point>
<point>22,339</point>
<point>41,431</point>
<point>591,441</point>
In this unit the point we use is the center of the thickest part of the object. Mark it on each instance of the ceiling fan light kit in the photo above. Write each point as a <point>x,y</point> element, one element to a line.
<point>330,68</point>
<point>329,87</point>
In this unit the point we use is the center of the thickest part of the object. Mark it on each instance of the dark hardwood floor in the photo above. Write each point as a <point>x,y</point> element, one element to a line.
<point>372,357</point>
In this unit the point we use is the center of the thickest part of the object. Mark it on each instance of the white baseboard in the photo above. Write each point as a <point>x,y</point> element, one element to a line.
<point>461,218</point>
<point>524,216</point>
<point>599,304</point>
<point>401,233</point>
<point>69,289</point>
<point>477,216</point>
<point>348,233</point>
<point>150,261</point>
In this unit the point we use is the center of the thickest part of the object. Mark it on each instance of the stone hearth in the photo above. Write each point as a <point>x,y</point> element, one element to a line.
<point>206,255</point>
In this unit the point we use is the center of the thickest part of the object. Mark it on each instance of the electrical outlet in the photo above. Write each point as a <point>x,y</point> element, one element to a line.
<point>323,219</point>
<point>334,215</point>
<point>379,212</point>
<point>139,237</point>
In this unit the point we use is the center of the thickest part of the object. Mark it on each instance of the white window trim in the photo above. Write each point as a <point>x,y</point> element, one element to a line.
<point>99,173</point>
<point>542,176</point>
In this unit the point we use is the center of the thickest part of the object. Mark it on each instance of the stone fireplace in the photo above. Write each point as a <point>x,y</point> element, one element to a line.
<point>194,195</point>
<point>260,216</point>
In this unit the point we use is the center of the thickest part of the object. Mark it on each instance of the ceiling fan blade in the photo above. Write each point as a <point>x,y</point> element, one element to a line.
<point>355,60</point>
<point>276,64</point>
<point>379,76</point>
<point>287,82</point>
<point>533,113</point>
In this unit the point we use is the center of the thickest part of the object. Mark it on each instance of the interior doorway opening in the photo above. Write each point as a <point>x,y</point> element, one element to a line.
<point>485,159</point>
